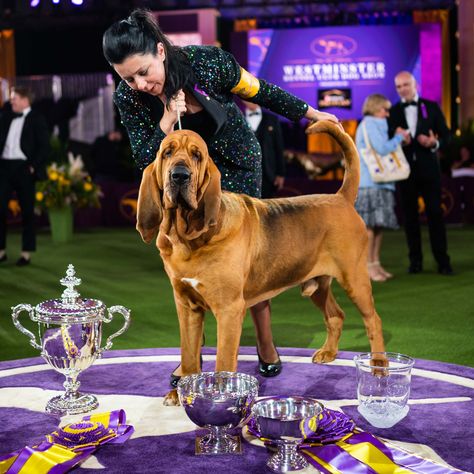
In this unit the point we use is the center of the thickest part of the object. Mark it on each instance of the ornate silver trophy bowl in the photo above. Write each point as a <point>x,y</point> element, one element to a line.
<point>219,402</point>
<point>279,420</point>
<point>69,334</point>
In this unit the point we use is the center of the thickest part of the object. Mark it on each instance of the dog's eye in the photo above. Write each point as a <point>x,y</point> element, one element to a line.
<point>167,153</point>
<point>196,155</point>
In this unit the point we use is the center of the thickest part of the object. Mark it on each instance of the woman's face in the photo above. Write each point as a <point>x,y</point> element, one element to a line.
<point>383,111</point>
<point>144,72</point>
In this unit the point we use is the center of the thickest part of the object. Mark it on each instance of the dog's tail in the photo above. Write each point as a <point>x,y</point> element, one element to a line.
<point>350,184</point>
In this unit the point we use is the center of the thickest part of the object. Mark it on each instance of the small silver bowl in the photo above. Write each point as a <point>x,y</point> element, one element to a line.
<point>219,402</point>
<point>279,419</point>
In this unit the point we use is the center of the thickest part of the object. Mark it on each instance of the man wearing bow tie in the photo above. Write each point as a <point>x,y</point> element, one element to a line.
<point>268,131</point>
<point>429,132</point>
<point>24,147</point>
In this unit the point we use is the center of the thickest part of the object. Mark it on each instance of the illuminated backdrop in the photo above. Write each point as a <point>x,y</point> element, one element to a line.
<point>346,64</point>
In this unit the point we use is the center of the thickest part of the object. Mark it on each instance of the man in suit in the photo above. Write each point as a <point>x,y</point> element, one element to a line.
<point>429,132</point>
<point>24,147</point>
<point>268,131</point>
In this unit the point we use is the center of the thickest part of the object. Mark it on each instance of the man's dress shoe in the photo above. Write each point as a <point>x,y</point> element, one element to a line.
<point>415,268</point>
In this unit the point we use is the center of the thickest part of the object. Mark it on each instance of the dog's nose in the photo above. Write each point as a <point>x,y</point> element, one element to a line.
<point>180,175</point>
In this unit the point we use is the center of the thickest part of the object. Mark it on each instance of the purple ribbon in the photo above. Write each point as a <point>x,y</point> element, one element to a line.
<point>323,431</point>
<point>81,438</point>
<point>200,91</point>
<point>338,458</point>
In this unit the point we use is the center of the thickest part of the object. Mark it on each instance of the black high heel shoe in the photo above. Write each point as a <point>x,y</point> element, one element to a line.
<point>269,370</point>
<point>174,379</point>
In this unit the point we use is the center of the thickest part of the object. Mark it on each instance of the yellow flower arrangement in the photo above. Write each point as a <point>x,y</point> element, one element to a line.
<point>67,185</point>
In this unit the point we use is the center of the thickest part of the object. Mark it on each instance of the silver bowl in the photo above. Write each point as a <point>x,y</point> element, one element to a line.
<point>219,402</point>
<point>280,420</point>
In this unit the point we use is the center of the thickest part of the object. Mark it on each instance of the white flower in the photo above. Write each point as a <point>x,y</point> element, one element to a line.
<point>76,167</point>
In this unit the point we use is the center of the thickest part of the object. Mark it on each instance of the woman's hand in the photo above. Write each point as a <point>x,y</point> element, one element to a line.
<point>315,115</point>
<point>170,114</point>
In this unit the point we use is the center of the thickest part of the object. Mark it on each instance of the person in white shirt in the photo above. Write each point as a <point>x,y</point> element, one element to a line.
<point>429,132</point>
<point>269,134</point>
<point>24,147</point>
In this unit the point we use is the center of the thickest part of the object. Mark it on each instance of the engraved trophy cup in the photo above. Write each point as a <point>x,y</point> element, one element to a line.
<point>279,420</point>
<point>219,402</point>
<point>70,333</point>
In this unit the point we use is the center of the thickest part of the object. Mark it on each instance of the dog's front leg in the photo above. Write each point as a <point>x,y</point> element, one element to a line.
<point>191,325</point>
<point>229,317</point>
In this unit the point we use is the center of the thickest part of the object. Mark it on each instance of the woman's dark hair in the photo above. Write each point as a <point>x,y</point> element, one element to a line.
<point>140,34</point>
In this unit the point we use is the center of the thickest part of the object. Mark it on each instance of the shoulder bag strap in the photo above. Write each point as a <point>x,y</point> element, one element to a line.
<point>369,145</point>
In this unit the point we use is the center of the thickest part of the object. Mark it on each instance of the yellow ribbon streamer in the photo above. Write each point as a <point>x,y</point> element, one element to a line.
<point>6,463</point>
<point>324,464</point>
<point>42,462</point>
<point>373,457</point>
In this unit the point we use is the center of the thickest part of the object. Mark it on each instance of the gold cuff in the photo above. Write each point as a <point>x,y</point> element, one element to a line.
<point>248,85</point>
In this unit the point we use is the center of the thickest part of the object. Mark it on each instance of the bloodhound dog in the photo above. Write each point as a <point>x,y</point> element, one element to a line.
<point>225,252</point>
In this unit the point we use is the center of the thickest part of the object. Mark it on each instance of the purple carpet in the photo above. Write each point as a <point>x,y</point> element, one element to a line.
<point>440,416</point>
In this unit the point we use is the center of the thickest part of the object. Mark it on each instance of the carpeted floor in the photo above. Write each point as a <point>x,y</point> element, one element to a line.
<point>441,401</point>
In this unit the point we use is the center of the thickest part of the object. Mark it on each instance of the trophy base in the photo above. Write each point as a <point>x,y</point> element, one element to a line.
<point>61,405</point>
<point>227,444</point>
<point>287,459</point>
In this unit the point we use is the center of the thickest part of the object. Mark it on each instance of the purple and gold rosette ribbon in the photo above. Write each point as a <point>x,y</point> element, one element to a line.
<point>332,444</point>
<point>68,446</point>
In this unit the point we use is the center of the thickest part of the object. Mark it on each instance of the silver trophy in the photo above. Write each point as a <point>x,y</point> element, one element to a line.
<point>70,333</point>
<point>279,420</point>
<point>219,402</point>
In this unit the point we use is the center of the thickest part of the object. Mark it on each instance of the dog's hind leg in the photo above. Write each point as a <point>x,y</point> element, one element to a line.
<point>324,299</point>
<point>360,292</point>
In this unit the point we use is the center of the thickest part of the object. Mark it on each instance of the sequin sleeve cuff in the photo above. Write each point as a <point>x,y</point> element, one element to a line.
<point>279,101</point>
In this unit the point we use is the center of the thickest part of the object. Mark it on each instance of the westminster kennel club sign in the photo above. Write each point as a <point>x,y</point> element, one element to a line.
<point>358,59</point>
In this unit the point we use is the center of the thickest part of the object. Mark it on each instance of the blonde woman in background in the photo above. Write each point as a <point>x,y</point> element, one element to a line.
<point>376,201</point>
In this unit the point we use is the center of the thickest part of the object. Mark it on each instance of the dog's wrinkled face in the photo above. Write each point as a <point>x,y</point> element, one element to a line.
<point>182,160</point>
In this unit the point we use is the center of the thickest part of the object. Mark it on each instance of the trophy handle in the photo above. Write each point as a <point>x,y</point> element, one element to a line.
<point>16,312</point>
<point>126,315</point>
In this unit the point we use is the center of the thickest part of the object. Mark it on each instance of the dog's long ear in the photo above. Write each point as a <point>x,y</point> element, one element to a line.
<point>209,202</point>
<point>149,207</point>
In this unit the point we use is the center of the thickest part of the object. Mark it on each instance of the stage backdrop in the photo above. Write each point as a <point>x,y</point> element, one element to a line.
<point>336,68</point>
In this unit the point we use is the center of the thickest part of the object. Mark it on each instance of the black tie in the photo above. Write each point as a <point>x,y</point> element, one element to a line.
<point>16,115</point>
<point>412,102</point>
<point>251,114</point>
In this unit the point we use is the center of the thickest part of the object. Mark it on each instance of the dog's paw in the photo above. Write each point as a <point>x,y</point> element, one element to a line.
<point>171,399</point>
<point>379,364</point>
<point>323,356</point>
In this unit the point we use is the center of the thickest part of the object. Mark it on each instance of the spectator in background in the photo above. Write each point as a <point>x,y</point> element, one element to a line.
<point>464,160</point>
<point>268,131</point>
<point>109,157</point>
<point>376,201</point>
<point>429,132</point>
<point>24,147</point>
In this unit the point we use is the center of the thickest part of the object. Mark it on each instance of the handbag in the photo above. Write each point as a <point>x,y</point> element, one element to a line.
<point>384,168</point>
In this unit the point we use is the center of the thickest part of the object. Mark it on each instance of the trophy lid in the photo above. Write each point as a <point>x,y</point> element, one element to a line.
<point>71,307</point>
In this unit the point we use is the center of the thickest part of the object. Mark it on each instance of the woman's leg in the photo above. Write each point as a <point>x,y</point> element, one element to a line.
<point>375,241</point>
<point>378,234</point>
<point>262,320</point>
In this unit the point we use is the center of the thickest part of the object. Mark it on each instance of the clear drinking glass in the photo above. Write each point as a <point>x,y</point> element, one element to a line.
<point>383,392</point>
